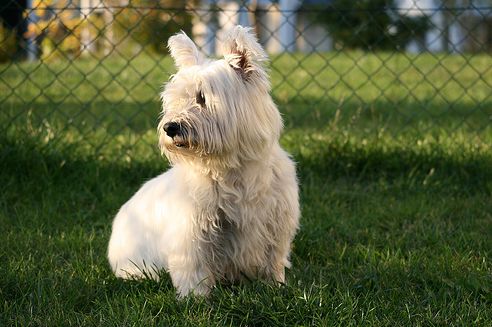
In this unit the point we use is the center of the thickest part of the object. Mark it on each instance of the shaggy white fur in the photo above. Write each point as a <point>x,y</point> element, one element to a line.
<point>228,208</point>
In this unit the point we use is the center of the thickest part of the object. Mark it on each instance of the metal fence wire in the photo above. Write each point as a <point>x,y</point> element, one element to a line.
<point>88,73</point>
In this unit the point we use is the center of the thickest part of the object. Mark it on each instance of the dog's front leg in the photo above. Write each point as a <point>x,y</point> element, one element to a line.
<point>189,274</point>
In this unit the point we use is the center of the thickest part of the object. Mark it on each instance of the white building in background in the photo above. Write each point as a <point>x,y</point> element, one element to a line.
<point>279,24</point>
<point>298,32</point>
<point>282,27</point>
<point>454,31</point>
<point>435,38</point>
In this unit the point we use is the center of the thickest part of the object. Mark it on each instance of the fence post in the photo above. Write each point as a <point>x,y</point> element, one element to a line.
<point>31,47</point>
<point>287,29</point>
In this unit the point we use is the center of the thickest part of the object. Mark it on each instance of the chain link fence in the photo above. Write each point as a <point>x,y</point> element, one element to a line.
<point>88,73</point>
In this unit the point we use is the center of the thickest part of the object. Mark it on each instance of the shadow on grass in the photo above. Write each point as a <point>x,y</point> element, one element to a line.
<point>53,181</point>
<point>51,187</point>
<point>464,170</point>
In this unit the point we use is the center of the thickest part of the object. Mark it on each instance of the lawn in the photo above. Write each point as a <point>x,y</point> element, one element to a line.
<point>394,159</point>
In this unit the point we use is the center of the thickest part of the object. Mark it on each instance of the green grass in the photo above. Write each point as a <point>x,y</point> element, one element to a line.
<point>396,191</point>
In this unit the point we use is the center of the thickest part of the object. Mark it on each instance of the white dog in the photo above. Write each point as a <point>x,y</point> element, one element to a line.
<point>228,208</point>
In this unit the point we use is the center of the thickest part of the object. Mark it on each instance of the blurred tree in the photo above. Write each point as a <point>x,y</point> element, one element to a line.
<point>57,28</point>
<point>371,24</point>
<point>151,22</point>
<point>69,28</point>
<point>8,43</point>
<point>12,29</point>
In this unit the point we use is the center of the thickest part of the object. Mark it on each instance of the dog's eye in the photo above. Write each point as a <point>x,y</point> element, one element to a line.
<point>200,99</point>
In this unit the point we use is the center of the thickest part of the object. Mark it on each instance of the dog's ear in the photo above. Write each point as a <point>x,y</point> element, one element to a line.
<point>184,51</point>
<point>243,52</point>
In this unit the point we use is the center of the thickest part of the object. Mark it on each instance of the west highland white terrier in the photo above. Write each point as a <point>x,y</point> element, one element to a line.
<point>228,208</point>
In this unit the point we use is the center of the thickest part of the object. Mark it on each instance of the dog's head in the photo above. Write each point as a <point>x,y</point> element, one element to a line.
<point>218,109</point>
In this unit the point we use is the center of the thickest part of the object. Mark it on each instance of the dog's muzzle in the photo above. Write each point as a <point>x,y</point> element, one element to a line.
<point>177,132</point>
<point>172,129</point>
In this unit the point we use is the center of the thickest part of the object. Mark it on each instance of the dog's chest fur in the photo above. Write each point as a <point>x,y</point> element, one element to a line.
<point>234,230</point>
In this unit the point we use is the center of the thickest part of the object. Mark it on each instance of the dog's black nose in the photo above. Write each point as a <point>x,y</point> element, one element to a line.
<point>171,129</point>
